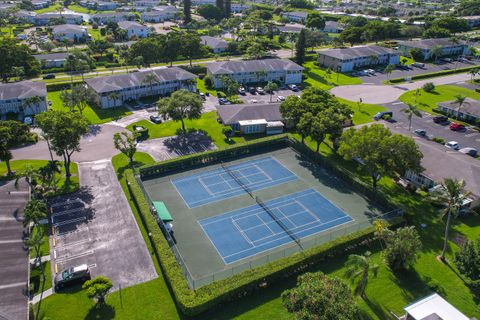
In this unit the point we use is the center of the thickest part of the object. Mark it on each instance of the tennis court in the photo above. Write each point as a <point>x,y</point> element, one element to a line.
<point>250,230</point>
<point>215,185</point>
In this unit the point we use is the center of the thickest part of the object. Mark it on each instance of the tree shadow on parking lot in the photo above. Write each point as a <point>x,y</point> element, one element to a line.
<point>192,142</point>
<point>101,311</point>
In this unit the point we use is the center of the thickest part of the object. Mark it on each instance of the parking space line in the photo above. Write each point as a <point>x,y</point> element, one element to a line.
<point>74,243</point>
<point>61,213</point>
<point>91,266</point>
<point>473,134</point>
<point>70,221</point>
<point>53,205</point>
<point>74,256</point>
<point>11,241</point>
<point>61,234</point>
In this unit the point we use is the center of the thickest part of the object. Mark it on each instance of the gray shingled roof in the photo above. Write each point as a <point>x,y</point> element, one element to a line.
<point>429,43</point>
<point>66,28</point>
<point>51,56</point>
<point>22,90</point>
<point>214,43</point>
<point>58,16</point>
<point>119,82</point>
<point>229,67</point>
<point>355,52</point>
<point>130,25</point>
<point>291,28</point>
<point>470,106</point>
<point>231,114</point>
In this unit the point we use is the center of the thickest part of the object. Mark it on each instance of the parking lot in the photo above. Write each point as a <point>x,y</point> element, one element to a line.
<point>379,76</point>
<point>95,226</point>
<point>171,147</point>
<point>14,261</point>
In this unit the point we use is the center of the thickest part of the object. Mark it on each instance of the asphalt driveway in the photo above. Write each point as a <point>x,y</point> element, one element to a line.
<point>95,226</point>
<point>14,258</point>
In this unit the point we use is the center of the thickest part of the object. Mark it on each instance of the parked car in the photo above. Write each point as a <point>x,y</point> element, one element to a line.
<point>404,67</point>
<point>202,95</point>
<point>242,91</point>
<point>292,87</point>
<point>418,64</point>
<point>440,119</point>
<point>420,132</point>
<point>470,151</point>
<point>382,115</point>
<point>452,145</point>
<point>49,76</point>
<point>280,98</point>
<point>223,101</point>
<point>456,126</point>
<point>156,119</point>
<point>260,90</point>
<point>253,101</point>
<point>71,275</point>
<point>447,60</point>
<point>252,90</point>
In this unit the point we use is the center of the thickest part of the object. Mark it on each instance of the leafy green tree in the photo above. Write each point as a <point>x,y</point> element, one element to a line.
<point>319,297</point>
<point>35,210</point>
<point>227,8</point>
<point>126,143</point>
<point>16,55</point>
<point>64,130</point>
<point>402,247</point>
<point>210,12</point>
<point>452,195</point>
<point>352,35</point>
<point>436,52</point>
<point>181,105</point>
<point>383,153</point>
<point>304,125</point>
<point>255,51</point>
<point>388,70</point>
<point>229,85</point>
<point>315,21</point>
<point>360,267</point>
<point>100,46</point>
<point>467,260</point>
<point>411,110</point>
<point>300,48</point>
<point>460,101</point>
<point>191,46</point>
<point>150,79</point>
<point>187,11</point>
<point>79,97</point>
<point>12,134</point>
<point>98,288</point>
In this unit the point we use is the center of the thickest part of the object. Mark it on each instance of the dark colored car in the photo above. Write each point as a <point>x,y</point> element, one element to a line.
<point>72,275</point>
<point>252,90</point>
<point>456,126</point>
<point>49,76</point>
<point>440,119</point>
<point>156,119</point>
<point>383,115</point>
<point>223,101</point>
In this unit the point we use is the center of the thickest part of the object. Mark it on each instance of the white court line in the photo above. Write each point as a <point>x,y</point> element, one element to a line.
<point>241,232</point>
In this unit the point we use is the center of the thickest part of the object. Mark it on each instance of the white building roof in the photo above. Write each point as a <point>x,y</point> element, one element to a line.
<point>434,307</point>
<point>252,122</point>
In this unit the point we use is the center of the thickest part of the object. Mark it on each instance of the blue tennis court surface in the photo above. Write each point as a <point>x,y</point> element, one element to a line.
<point>247,231</point>
<point>206,187</point>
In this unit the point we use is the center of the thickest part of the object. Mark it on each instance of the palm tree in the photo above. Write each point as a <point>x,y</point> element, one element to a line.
<point>49,171</point>
<point>359,266</point>
<point>388,70</point>
<point>436,51</point>
<point>460,100</point>
<point>411,110</point>
<point>270,88</point>
<point>35,210</point>
<point>451,193</point>
<point>150,79</point>
<point>114,96</point>
<point>260,73</point>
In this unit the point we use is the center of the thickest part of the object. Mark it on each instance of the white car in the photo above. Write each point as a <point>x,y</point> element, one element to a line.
<point>253,101</point>
<point>281,98</point>
<point>371,71</point>
<point>452,145</point>
<point>293,87</point>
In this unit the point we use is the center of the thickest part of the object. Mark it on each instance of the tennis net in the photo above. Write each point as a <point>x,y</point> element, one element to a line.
<point>262,205</point>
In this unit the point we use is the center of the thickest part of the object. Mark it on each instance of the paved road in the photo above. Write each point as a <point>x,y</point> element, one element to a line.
<point>382,94</point>
<point>466,138</point>
<point>100,230</point>
<point>14,259</point>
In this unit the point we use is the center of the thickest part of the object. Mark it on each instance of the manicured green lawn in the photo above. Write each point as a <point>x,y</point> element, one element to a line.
<point>45,247</point>
<point>50,9</point>
<point>319,78</point>
<point>36,278</point>
<point>362,113</point>
<point>387,292</point>
<point>202,88</point>
<point>428,101</point>
<point>20,165</point>
<point>94,115</point>
<point>95,33</point>
<point>207,123</point>
<point>80,9</point>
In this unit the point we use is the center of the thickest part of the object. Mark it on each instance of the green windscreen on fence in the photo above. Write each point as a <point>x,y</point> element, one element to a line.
<point>162,211</point>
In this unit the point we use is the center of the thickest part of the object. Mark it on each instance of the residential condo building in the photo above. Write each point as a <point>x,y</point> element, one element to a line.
<point>114,90</point>
<point>14,97</point>
<point>449,47</point>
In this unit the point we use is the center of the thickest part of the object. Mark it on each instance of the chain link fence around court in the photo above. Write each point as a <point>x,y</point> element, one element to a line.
<point>275,254</point>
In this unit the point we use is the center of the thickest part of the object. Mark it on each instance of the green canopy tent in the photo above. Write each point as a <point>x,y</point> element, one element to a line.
<point>162,211</point>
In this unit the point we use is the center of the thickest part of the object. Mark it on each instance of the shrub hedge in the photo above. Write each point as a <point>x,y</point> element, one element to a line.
<point>435,74</point>
<point>193,302</point>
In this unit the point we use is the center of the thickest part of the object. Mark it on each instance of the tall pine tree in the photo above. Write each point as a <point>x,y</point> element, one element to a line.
<point>187,11</point>
<point>228,8</point>
<point>300,48</point>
